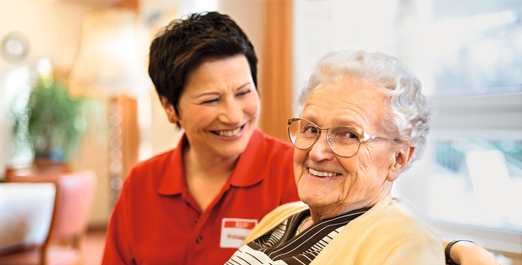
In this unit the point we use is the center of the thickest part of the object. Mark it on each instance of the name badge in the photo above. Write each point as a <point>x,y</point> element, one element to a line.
<point>234,231</point>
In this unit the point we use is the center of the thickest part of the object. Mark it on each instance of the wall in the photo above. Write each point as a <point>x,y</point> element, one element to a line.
<point>54,31</point>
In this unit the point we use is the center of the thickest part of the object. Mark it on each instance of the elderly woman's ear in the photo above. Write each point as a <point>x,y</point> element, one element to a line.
<point>401,157</point>
<point>169,110</point>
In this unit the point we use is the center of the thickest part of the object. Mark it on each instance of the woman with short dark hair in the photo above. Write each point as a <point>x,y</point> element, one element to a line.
<point>197,203</point>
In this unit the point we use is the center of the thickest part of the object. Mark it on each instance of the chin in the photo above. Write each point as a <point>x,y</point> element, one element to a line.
<point>234,149</point>
<point>311,197</point>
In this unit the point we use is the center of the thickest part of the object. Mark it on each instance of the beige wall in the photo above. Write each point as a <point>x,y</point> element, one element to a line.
<point>54,31</point>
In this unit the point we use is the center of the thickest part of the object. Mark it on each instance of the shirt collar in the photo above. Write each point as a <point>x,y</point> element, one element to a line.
<point>173,180</point>
<point>248,171</point>
<point>250,165</point>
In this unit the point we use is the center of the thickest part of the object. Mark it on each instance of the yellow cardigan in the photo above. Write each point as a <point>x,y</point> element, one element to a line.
<point>391,232</point>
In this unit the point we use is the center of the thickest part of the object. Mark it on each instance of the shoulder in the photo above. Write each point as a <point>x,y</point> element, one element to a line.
<point>407,223</point>
<point>151,168</point>
<point>389,233</point>
<point>288,209</point>
<point>273,147</point>
<point>155,160</point>
<point>270,153</point>
<point>403,235</point>
<point>272,142</point>
<point>395,229</point>
<point>276,217</point>
<point>401,213</point>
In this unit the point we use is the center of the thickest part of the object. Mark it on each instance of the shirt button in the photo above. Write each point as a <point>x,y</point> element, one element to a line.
<point>199,239</point>
<point>196,219</point>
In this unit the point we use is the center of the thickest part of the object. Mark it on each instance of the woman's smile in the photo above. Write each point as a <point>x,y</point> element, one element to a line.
<point>322,174</point>
<point>219,107</point>
<point>332,184</point>
<point>235,133</point>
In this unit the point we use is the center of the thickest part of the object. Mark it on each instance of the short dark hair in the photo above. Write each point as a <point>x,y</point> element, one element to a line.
<point>185,44</point>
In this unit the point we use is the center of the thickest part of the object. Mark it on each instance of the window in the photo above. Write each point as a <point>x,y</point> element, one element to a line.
<point>477,47</point>
<point>477,73</point>
<point>16,94</point>
<point>471,175</point>
<point>468,56</point>
<point>482,176</point>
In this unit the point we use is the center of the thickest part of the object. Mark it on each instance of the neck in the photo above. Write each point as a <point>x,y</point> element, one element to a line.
<point>206,175</point>
<point>204,165</point>
<point>330,211</point>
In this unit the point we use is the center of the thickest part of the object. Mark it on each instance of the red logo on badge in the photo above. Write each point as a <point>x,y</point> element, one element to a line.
<point>240,224</point>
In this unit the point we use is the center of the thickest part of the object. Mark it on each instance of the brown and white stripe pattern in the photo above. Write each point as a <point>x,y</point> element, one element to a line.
<point>280,246</point>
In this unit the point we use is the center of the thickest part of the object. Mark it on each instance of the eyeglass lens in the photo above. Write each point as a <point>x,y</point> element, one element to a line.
<point>343,140</point>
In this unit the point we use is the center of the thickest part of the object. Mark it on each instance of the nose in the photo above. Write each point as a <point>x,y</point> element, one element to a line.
<point>231,112</point>
<point>321,150</point>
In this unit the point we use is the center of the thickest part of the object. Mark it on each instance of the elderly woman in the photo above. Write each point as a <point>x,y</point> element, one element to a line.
<point>364,122</point>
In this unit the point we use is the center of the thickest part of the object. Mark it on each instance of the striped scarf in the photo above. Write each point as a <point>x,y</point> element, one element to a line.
<point>280,246</point>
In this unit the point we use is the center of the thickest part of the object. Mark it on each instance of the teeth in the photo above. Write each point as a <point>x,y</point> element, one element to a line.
<point>322,174</point>
<point>228,133</point>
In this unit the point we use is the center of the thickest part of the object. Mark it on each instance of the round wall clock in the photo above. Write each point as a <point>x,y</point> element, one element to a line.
<point>15,47</point>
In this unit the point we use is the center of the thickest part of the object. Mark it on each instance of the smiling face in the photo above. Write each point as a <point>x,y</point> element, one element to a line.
<point>219,107</point>
<point>330,184</point>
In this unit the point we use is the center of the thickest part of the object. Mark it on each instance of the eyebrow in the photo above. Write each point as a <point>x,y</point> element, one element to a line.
<point>213,93</point>
<point>244,85</point>
<point>345,122</point>
<point>337,121</point>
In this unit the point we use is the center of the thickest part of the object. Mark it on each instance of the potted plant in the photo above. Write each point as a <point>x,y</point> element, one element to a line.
<point>52,123</point>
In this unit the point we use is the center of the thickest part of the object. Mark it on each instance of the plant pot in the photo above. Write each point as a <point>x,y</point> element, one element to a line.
<point>54,154</point>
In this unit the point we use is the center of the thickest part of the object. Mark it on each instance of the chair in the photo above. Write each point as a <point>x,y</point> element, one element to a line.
<point>64,242</point>
<point>26,210</point>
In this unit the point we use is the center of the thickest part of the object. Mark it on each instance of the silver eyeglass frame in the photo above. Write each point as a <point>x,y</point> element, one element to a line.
<point>363,136</point>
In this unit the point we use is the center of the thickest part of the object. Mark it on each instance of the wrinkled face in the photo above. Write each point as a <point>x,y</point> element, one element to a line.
<point>332,184</point>
<point>219,107</point>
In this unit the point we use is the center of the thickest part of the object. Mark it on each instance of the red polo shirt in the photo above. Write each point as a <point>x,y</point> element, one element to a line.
<point>157,221</point>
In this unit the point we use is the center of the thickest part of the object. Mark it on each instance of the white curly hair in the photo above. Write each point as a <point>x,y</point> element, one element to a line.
<point>407,111</point>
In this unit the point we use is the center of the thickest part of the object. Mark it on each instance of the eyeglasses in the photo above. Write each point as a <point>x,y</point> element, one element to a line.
<point>344,141</point>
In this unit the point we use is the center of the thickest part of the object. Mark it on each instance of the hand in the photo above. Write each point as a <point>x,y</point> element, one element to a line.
<point>467,253</point>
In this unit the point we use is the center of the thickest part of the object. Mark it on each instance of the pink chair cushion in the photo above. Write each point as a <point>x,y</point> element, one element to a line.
<point>76,193</point>
<point>74,198</point>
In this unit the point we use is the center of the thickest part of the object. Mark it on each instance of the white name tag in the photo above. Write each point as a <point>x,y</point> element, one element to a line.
<point>234,231</point>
